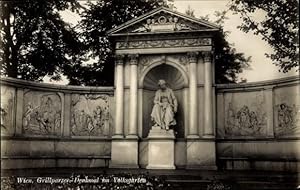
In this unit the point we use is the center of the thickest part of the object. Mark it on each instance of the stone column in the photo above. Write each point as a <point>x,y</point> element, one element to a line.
<point>208,103</point>
<point>124,151</point>
<point>206,157</point>
<point>193,112</point>
<point>119,95</point>
<point>133,116</point>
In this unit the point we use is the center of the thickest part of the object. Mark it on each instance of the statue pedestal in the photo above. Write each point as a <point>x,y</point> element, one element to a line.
<point>161,149</point>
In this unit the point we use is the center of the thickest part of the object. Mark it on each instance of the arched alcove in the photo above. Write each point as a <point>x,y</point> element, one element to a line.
<point>176,82</point>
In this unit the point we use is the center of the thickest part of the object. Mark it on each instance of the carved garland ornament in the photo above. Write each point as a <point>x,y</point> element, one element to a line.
<point>193,42</point>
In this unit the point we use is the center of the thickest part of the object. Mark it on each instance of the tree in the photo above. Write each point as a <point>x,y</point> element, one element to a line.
<point>279,28</point>
<point>35,41</point>
<point>228,62</point>
<point>94,26</point>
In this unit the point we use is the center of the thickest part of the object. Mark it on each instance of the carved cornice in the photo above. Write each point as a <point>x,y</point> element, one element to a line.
<point>119,59</point>
<point>192,57</point>
<point>207,56</point>
<point>133,59</point>
<point>164,43</point>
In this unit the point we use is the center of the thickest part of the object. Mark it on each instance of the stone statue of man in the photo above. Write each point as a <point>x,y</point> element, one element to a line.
<point>165,106</point>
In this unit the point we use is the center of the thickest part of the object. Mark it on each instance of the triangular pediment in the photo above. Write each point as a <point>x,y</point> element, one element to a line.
<point>163,20</point>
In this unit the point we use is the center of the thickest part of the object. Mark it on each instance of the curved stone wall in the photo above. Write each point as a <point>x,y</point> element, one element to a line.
<point>258,125</point>
<point>44,125</point>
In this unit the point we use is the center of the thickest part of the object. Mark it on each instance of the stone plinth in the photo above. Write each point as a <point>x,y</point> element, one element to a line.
<point>160,149</point>
<point>124,153</point>
<point>201,154</point>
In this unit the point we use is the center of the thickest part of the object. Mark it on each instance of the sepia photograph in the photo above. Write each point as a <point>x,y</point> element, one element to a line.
<point>150,94</point>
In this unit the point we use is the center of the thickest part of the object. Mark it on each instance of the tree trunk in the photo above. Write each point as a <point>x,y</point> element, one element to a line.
<point>10,52</point>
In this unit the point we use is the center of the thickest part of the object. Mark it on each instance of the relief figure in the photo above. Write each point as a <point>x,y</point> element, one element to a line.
<point>244,122</point>
<point>285,116</point>
<point>288,119</point>
<point>7,110</point>
<point>89,115</point>
<point>44,117</point>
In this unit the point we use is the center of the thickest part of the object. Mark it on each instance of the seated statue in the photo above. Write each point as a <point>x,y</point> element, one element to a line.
<point>165,107</point>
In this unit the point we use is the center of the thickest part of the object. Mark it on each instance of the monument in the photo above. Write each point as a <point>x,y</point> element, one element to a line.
<point>161,137</point>
<point>164,45</point>
<point>164,112</point>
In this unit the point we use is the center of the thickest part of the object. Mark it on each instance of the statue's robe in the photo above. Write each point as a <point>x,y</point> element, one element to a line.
<point>165,106</point>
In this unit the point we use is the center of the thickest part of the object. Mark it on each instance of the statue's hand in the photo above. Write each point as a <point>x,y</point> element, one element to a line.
<point>158,103</point>
<point>174,108</point>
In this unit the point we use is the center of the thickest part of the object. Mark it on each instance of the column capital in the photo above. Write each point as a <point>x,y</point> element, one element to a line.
<point>207,56</point>
<point>192,56</point>
<point>119,59</point>
<point>133,59</point>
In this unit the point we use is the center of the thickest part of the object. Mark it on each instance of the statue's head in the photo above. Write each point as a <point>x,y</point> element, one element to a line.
<point>162,84</point>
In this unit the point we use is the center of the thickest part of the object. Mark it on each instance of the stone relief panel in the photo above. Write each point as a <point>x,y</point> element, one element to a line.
<point>146,60</point>
<point>287,111</point>
<point>42,113</point>
<point>192,42</point>
<point>7,110</point>
<point>245,114</point>
<point>90,115</point>
<point>180,58</point>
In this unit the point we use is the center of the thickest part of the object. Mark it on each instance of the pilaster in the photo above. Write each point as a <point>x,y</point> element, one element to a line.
<point>208,101</point>
<point>133,115</point>
<point>119,85</point>
<point>193,107</point>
